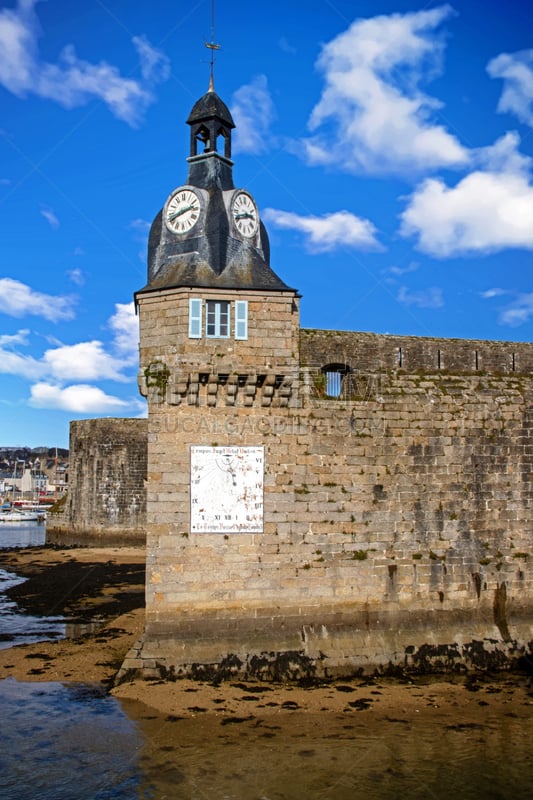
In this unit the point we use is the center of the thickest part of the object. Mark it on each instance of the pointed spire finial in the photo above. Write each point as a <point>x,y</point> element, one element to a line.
<point>212,46</point>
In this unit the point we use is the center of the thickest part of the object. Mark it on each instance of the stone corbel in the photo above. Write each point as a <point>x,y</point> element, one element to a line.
<point>250,390</point>
<point>232,387</point>
<point>269,387</point>
<point>193,389</point>
<point>212,390</point>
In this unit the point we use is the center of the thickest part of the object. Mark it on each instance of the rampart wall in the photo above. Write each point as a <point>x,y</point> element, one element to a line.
<point>375,352</point>
<point>106,495</point>
<point>397,518</point>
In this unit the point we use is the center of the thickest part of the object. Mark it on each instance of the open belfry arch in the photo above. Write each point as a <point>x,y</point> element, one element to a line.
<point>318,502</point>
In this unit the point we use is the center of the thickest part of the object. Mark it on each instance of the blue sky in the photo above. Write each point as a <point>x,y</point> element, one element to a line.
<point>388,144</point>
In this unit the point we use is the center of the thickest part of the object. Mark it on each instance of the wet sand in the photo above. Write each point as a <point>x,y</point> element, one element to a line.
<point>105,586</point>
<point>100,588</point>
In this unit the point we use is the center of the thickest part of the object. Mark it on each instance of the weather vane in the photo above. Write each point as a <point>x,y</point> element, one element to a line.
<point>212,46</point>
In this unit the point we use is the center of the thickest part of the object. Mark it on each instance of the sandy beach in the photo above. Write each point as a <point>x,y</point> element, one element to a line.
<point>103,590</point>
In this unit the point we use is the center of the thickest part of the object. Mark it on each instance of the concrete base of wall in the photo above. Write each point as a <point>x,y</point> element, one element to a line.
<point>418,644</point>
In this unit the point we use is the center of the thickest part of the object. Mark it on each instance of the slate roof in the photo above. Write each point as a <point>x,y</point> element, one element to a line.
<point>209,106</point>
<point>215,257</point>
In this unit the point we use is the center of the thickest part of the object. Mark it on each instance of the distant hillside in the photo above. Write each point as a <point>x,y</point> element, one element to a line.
<point>31,453</point>
<point>44,458</point>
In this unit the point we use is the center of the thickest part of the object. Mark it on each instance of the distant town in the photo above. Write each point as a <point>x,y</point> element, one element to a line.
<point>37,474</point>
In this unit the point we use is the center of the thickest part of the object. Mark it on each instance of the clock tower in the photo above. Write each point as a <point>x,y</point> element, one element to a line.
<point>219,344</point>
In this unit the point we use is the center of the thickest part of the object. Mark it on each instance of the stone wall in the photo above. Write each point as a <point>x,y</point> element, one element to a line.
<point>397,520</point>
<point>106,496</point>
<point>377,353</point>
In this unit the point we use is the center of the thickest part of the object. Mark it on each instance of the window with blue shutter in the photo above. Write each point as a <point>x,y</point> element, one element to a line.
<point>217,319</point>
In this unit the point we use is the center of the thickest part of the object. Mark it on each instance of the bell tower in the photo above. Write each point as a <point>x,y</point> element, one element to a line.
<point>219,342</point>
<point>210,120</point>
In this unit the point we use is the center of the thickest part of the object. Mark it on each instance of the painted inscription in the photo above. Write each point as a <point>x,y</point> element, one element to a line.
<point>227,489</point>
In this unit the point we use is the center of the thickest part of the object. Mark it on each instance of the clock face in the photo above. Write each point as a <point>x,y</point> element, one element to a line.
<point>245,214</point>
<point>182,211</point>
<point>227,489</point>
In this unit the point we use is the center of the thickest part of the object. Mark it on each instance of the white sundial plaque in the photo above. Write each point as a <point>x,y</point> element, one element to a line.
<point>227,489</point>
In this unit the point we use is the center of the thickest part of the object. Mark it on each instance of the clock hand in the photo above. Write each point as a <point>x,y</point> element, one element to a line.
<point>179,212</point>
<point>245,215</point>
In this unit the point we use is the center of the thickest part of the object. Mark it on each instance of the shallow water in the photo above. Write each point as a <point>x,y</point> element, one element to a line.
<point>63,742</point>
<point>17,627</point>
<point>336,757</point>
<point>68,742</point>
<point>21,534</point>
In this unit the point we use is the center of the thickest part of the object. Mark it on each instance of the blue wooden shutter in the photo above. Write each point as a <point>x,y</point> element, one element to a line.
<point>195,318</point>
<point>241,319</point>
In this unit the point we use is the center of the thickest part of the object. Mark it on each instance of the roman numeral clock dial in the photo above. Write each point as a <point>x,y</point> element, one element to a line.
<point>245,216</point>
<point>182,211</point>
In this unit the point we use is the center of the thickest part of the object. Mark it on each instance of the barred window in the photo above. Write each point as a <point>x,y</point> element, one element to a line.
<point>335,375</point>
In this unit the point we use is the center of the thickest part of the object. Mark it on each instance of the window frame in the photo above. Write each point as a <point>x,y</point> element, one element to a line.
<point>218,322</point>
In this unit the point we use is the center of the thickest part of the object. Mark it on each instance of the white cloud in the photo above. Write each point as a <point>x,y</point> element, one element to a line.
<point>518,312</point>
<point>141,229</point>
<point>155,66</point>
<point>10,339</point>
<point>93,361</point>
<point>78,399</point>
<point>503,156</point>
<point>329,232</point>
<point>18,46</point>
<point>372,114</point>
<point>484,212</point>
<point>50,217</point>
<point>125,325</point>
<point>71,81</point>
<point>76,276</point>
<point>13,362</point>
<point>488,294</point>
<point>253,113</point>
<point>84,361</point>
<point>140,225</point>
<point>411,267</point>
<point>516,71</point>
<point>87,361</point>
<point>18,300</point>
<point>424,298</point>
<point>23,366</point>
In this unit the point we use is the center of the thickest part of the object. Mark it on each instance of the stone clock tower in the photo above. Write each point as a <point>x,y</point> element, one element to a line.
<point>219,334</point>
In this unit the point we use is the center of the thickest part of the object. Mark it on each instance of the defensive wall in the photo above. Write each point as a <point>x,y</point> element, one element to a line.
<point>106,496</point>
<point>397,518</point>
<point>376,352</point>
